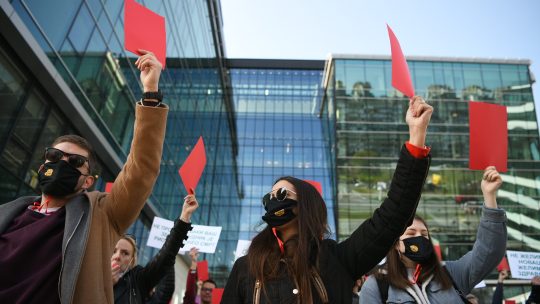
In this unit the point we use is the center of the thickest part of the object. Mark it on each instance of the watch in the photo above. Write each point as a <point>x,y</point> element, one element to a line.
<point>152,95</point>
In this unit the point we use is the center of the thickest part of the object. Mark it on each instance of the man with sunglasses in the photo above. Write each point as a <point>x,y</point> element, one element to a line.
<point>56,247</point>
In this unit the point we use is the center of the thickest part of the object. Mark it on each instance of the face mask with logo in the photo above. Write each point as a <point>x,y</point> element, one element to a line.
<point>419,249</point>
<point>58,178</point>
<point>279,212</point>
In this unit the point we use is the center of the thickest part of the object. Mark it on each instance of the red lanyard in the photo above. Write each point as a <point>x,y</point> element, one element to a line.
<point>38,206</point>
<point>416,273</point>
<point>279,241</point>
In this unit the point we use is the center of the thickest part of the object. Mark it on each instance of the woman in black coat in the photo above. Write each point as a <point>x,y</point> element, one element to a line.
<point>291,261</point>
<point>132,282</point>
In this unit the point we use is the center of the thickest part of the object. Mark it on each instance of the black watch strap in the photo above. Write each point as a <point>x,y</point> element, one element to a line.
<point>153,95</point>
<point>150,103</point>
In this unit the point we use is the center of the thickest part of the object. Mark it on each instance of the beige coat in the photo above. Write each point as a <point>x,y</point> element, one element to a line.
<point>112,214</point>
<point>95,221</point>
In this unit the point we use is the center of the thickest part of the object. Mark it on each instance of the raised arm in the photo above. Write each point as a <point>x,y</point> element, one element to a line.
<point>370,242</point>
<point>134,183</point>
<point>490,244</point>
<point>534,297</point>
<point>191,282</point>
<point>498,294</point>
<point>150,275</point>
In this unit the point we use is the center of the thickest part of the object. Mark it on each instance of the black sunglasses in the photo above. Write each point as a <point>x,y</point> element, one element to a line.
<point>75,160</point>
<point>278,194</point>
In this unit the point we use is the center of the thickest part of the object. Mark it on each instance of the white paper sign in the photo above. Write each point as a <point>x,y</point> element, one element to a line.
<point>159,232</point>
<point>205,238</point>
<point>241,248</point>
<point>482,284</point>
<point>524,265</point>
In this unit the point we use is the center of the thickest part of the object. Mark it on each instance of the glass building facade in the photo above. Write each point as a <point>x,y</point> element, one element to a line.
<point>63,69</point>
<point>279,132</point>
<point>364,123</point>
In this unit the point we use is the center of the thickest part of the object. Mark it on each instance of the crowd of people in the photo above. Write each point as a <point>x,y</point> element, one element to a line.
<point>56,248</point>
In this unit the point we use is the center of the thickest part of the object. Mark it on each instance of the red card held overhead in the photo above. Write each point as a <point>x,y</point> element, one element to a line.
<point>108,187</point>
<point>193,167</point>
<point>488,138</point>
<point>401,77</point>
<point>503,265</point>
<point>217,294</point>
<point>315,184</point>
<point>202,270</point>
<point>144,29</point>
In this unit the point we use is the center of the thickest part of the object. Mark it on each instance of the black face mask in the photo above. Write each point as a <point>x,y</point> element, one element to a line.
<point>279,212</point>
<point>58,178</point>
<point>418,249</point>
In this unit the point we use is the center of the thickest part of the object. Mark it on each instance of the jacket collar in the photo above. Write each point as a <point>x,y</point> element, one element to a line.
<point>13,209</point>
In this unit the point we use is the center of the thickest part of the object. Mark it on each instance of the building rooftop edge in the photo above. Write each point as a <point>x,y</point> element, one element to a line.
<point>433,58</point>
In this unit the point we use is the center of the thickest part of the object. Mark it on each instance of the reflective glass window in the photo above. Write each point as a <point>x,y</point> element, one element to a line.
<point>53,16</point>
<point>30,119</point>
<point>12,84</point>
<point>81,30</point>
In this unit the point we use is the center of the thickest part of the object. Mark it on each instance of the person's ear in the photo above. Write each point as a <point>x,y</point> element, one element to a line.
<point>88,182</point>
<point>400,247</point>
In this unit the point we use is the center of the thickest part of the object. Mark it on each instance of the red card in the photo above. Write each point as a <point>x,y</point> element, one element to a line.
<point>202,270</point>
<point>144,29</point>
<point>510,302</point>
<point>315,184</point>
<point>217,294</point>
<point>108,187</point>
<point>503,265</point>
<point>401,77</point>
<point>488,138</point>
<point>193,167</point>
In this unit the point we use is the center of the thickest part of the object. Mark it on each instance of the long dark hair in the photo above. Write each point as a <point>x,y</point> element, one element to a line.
<point>264,254</point>
<point>397,272</point>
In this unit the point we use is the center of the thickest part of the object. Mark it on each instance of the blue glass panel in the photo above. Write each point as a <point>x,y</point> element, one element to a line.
<point>81,30</point>
<point>54,17</point>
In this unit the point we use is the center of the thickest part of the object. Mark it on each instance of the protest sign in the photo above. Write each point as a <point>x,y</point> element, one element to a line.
<point>488,136</point>
<point>401,77</point>
<point>144,29</point>
<point>524,265</point>
<point>205,238</point>
<point>193,167</point>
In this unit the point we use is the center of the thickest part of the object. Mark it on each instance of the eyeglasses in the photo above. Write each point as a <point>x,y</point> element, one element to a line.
<point>278,194</point>
<point>75,160</point>
<point>204,289</point>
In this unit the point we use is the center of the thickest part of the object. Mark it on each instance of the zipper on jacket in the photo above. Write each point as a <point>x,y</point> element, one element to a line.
<point>257,292</point>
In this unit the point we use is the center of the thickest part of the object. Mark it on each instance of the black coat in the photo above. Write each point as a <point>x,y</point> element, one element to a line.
<point>135,286</point>
<point>342,263</point>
